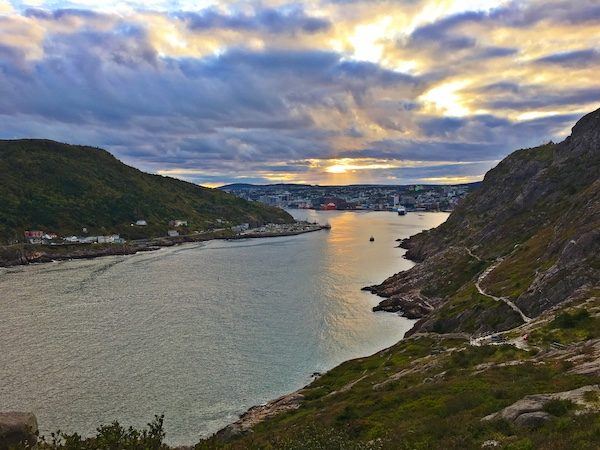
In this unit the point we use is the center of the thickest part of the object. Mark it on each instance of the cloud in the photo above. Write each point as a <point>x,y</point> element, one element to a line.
<point>269,20</point>
<point>281,90</point>
<point>577,58</point>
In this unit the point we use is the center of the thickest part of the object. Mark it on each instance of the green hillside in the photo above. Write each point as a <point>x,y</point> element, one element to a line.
<point>62,188</point>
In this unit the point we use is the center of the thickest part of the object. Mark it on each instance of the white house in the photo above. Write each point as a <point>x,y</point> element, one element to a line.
<point>113,238</point>
<point>178,223</point>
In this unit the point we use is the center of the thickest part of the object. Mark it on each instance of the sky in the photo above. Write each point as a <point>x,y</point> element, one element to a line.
<point>314,91</point>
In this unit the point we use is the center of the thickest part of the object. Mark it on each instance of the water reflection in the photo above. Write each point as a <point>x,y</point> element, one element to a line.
<point>198,332</point>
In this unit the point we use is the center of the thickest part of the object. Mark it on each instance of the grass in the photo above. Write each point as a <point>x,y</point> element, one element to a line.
<point>559,407</point>
<point>576,325</point>
<point>469,311</point>
<point>514,275</point>
<point>439,405</point>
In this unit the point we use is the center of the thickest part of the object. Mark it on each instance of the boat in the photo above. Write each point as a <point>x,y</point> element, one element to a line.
<point>402,211</point>
<point>372,239</point>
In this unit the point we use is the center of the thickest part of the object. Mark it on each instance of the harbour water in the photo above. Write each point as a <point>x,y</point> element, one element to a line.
<point>198,332</point>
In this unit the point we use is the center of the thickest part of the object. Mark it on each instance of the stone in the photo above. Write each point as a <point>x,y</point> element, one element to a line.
<point>533,419</point>
<point>17,428</point>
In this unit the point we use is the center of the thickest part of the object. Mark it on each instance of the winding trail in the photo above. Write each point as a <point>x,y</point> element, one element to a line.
<point>483,276</point>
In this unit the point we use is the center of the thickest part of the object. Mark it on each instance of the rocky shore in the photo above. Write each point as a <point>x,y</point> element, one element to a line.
<point>17,428</point>
<point>260,413</point>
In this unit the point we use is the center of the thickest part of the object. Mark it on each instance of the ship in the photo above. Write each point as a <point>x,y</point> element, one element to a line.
<point>372,239</point>
<point>402,211</point>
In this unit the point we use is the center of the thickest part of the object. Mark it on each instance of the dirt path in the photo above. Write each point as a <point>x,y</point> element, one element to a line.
<point>484,275</point>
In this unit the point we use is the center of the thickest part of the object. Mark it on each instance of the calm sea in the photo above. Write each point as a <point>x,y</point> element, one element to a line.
<point>198,332</point>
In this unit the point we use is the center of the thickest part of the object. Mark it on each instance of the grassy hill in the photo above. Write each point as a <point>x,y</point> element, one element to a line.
<point>62,188</point>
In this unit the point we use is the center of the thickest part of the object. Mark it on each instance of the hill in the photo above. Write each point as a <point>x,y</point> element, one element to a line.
<point>506,353</point>
<point>535,219</point>
<point>62,188</point>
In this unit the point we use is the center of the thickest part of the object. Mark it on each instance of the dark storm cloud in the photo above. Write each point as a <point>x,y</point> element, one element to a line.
<point>447,34</point>
<point>60,14</point>
<point>477,138</point>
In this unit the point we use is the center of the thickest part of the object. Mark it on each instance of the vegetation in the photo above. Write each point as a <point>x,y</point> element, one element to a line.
<point>109,437</point>
<point>534,220</point>
<point>427,393</point>
<point>576,325</point>
<point>62,188</point>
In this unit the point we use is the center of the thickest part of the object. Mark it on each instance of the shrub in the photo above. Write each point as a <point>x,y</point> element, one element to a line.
<point>558,407</point>
<point>111,437</point>
<point>571,320</point>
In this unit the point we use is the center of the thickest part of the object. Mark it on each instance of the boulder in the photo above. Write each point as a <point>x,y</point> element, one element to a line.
<point>17,428</point>
<point>532,419</point>
<point>529,411</point>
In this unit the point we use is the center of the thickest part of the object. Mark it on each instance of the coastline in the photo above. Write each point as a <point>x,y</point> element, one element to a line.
<point>255,414</point>
<point>25,254</point>
<point>259,413</point>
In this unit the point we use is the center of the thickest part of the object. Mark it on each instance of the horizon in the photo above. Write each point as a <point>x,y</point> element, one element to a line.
<point>315,92</point>
<point>346,185</point>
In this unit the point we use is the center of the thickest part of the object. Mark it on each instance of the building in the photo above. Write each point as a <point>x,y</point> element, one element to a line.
<point>178,223</point>
<point>240,228</point>
<point>34,237</point>
<point>141,223</point>
<point>112,239</point>
<point>173,233</point>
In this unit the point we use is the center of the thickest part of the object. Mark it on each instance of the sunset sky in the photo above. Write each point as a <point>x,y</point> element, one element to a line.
<point>316,91</point>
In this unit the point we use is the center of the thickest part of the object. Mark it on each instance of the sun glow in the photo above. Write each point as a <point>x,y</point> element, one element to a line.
<point>447,99</point>
<point>366,40</point>
<point>350,165</point>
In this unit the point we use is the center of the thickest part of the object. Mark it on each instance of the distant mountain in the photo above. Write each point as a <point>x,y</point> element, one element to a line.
<point>62,188</point>
<point>245,186</point>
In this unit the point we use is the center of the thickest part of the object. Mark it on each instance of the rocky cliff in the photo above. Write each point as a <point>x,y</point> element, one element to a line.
<point>534,224</point>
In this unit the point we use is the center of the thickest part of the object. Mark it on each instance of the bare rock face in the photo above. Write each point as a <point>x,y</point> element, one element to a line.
<point>529,411</point>
<point>258,414</point>
<point>533,419</point>
<point>17,428</point>
<point>543,200</point>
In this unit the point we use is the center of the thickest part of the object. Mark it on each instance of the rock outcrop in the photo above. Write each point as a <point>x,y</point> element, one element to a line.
<point>17,428</point>
<point>538,213</point>
<point>260,413</point>
<point>529,411</point>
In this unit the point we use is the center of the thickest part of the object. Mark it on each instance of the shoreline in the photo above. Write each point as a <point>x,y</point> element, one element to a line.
<point>253,415</point>
<point>26,254</point>
<point>257,414</point>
